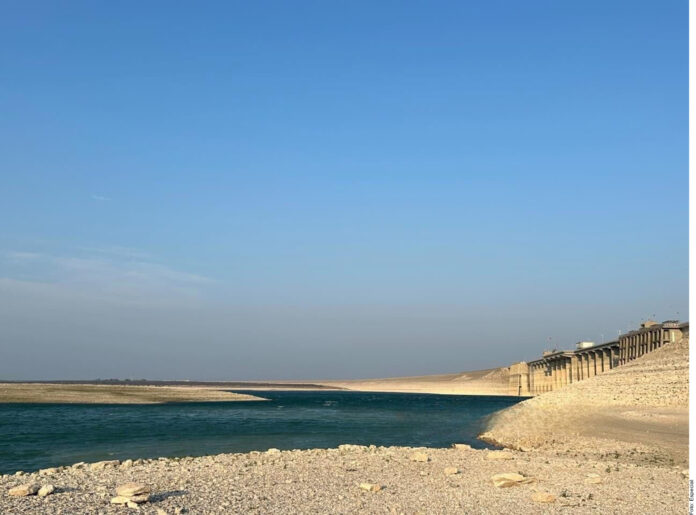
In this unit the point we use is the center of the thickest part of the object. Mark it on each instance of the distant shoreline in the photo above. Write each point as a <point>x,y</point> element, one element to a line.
<point>70,393</point>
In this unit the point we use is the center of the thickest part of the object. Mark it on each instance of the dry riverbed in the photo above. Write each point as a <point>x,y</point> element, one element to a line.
<point>113,394</point>
<point>356,479</point>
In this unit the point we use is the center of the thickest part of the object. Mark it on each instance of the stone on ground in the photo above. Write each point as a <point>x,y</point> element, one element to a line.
<point>419,457</point>
<point>132,489</point>
<point>499,455</point>
<point>370,487</point>
<point>450,471</point>
<point>46,490</point>
<point>543,497</point>
<point>24,490</point>
<point>508,479</point>
<point>101,465</point>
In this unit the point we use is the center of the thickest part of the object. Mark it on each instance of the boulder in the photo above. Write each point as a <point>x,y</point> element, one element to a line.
<point>419,457</point>
<point>462,447</point>
<point>273,450</point>
<point>46,490</point>
<point>450,471</point>
<point>126,464</point>
<point>24,490</point>
<point>49,471</point>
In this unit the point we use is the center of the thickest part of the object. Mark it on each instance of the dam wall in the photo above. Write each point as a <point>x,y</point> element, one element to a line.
<point>556,369</point>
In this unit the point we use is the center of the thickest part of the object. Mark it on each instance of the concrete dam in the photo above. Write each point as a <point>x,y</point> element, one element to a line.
<point>555,369</point>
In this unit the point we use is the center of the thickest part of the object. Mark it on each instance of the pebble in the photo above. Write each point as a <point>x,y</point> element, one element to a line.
<point>543,497</point>
<point>370,487</point>
<point>499,455</point>
<point>420,457</point>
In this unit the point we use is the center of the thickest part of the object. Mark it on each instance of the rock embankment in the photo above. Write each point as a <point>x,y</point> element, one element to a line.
<point>641,405</point>
<point>357,479</point>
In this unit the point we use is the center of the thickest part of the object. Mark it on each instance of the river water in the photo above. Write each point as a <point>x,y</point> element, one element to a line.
<point>34,436</point>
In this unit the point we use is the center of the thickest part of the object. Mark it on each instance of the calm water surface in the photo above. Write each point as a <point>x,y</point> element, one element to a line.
<point>34,436</point>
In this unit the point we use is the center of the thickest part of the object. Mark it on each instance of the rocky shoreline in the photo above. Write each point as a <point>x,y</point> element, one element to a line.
<point>357,479</point>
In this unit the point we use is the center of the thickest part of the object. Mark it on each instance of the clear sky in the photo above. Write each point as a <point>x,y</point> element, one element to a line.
<point>249,190</point>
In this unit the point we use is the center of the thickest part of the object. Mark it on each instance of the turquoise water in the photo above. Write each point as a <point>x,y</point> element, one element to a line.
<point>34,436</point>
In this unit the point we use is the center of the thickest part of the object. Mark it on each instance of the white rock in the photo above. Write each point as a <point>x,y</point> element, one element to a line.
<point>46,490</point>
<point>132,489</point>
<point>506,480</point>
<point>24,490</point>
<point>101,465</point>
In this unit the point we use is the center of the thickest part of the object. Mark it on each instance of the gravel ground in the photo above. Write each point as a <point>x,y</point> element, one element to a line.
<point>328,481</point>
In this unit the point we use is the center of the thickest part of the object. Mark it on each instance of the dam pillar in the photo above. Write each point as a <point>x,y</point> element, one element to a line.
<point>593,363</point>
<point>569,370</point>
<point>576,368</point>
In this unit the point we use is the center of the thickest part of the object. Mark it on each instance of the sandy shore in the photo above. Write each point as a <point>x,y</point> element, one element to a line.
<point>641,405</point>
<point>110,394</point>
<point>328,481</point>
<point>492,381</point>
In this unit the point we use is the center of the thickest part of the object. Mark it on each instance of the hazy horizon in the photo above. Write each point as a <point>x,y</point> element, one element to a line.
<point>310,191</point>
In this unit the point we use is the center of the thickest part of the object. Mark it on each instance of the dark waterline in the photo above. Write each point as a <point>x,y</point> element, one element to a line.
<point>34,436</point>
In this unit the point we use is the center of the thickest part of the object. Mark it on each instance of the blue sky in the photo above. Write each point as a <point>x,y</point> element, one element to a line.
<point>247,190</point>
